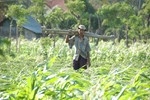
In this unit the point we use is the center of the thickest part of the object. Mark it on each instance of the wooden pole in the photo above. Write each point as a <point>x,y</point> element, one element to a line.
<point>74,32</point>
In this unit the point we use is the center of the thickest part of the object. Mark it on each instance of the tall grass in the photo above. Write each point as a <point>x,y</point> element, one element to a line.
<point>40,71</point>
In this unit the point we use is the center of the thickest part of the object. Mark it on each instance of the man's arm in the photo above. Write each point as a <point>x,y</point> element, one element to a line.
<point>67,39</point>
<point>88,59</point>
<point>70,40</point>
<point>88,54</point>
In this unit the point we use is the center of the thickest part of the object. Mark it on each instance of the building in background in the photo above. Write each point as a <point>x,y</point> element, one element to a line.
<point>31,28</point>
<point>56,3</point>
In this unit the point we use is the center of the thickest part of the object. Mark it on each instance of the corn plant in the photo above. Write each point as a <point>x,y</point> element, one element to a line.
<point>116,73</point>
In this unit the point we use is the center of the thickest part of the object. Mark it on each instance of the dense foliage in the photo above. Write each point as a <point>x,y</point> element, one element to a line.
<point>123,18</point>
<point>40,71</point>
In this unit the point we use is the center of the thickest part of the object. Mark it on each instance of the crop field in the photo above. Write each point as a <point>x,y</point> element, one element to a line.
<point>40,71</point>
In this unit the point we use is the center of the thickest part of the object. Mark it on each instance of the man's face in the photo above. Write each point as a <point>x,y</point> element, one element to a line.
<point>81,31</point>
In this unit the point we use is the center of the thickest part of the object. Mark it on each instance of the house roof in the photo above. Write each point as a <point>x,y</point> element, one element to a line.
<point>32,25</point>
<point>7,0</point>
<point>59,3</point>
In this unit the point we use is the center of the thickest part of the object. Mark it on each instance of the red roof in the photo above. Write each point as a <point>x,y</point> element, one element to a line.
<point>59,3</point>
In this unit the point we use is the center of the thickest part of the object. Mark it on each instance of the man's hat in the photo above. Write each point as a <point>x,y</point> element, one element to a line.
<point>82,27</point>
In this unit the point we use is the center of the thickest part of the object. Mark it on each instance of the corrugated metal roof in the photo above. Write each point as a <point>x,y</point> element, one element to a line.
<point>5,1</point>
<point>32,25</point>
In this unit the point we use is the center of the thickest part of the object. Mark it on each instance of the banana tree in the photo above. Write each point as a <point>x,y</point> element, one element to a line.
<point>18,13</point>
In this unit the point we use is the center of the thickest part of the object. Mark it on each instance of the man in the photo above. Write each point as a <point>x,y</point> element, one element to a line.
<point>82,48</point>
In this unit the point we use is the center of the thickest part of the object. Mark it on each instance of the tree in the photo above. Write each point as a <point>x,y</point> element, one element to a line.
<point>55,17</point>
<point>18,13</point>
<point>4,42</point>
<point>81,10</point>
<point>36,9</point>
<point>145,14</point>
<point>4,7</point>
<point>116,18</point>
<point>76,8</point>
<point>89,8</point>
<point>68,21</point>
<point>135,26</point>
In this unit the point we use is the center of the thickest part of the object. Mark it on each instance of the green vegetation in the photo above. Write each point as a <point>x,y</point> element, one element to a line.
<point>126,19</point>
<point>41,72</point>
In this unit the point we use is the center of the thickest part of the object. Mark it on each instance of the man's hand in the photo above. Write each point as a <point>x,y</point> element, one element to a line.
<point>88,63</point>
<point>67,39</point>
<point>88,60</point>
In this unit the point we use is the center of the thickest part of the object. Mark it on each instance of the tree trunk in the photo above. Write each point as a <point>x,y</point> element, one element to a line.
<point>148,20</point>
<point>98,22</point>
<point>89,27</point>
<point>127,37</point>
<point>54,42</point>
<point>139,5</point>
<point>10,28</point>
<point>17,39</point>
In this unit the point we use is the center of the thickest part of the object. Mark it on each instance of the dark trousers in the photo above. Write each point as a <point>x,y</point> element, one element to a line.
<point>80,63</point>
